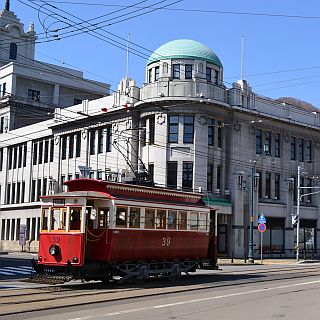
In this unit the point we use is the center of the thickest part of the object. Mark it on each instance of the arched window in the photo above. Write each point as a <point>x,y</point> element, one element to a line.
<point>13,51</point>
<point>200,68</point>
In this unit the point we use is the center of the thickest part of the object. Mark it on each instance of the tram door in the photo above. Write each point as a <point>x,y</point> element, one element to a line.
<point>90,212</point>
<point>212,248</point>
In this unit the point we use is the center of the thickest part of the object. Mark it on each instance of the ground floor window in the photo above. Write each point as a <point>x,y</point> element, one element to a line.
<point>273,237</point>
<point>307,236</point>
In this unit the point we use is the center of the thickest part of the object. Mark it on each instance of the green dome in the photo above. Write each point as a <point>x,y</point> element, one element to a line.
<point>184,49</point>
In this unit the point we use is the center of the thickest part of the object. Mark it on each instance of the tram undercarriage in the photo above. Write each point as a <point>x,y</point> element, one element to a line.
<point>124,271</point>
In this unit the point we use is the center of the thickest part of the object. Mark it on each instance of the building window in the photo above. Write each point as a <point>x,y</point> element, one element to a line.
<point>187,175</point>
<point>151,130</point>
<point>78,144</point>
<point>259,184</point>
<point>293,148</point>
<point>71,146</point>
<point>211,123</point>
<point>34,94</point>
<point>156,73</point>
<point>216,76</point>
<point>23,191</point>
<point>277,145</point>
<point>92,142</point>
<point>267,143</point>
<point>209,177</point>
<point>258,141</point>
<point>308,151</point>
<point>64,148</point>
<point>188,129</point>
<point>40,151</point>
<point>309,190</point>
<point>219,173</point>
<point>277,186</point>
<point>20,151</point>
<point>38,190</point>
<point>15,156</point>
<point>300,150</point>
<point>77,101</point>
<point>172,174</point>
<point>273,237</point>
<point>208,74</point>
<point>176,71</point>
<point>2,125</point>
<point>173,129</point>
<point>51,150</point>
<point>109,139</point>
<point>46,151</point>
<point>165,68</point>
<point>18,192</point>
<point>268,186</point>
<point>151,171</point>
<point>1,159</point>
<point>13,51</point>
<point>100,140</point>
<point>13,193</point>
<point>188,71</point>
<point>149,75</point>
<point>35,153</point>
<point>219,134</point>
<point>4,89</point>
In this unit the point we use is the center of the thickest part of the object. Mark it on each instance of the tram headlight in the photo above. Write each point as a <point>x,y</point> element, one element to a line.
<point>40,258</point>
<point>54,250</point>
<point>75,260</point>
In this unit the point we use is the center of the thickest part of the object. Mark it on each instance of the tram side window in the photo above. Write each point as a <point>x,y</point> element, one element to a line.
<point>121,217</point>
<point>172,219</point>
<point>58,219</point>
<point>182,220</point>
<point>103,217</point>
<point>149,219</point>
<point>161,219</point>
<point>45,216</point>
<point>202,221</point>
<point>134,218</point>
<point>194,220</point>
<point>75,218</point>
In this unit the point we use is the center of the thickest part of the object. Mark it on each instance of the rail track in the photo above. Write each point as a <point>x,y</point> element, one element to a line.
<point>15,301</point>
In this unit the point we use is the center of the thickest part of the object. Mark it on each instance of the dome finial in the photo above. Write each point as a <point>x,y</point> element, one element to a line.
<point>7,5</point>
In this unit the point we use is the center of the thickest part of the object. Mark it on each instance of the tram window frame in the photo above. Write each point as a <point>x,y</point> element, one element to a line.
<point>172,223</point>
<point>134,217</point>
<point>202,223</point>
<point>151,222</point>
<point>161,219</point>
<point>182,220</point>
<point>71,216</point>
<point>124,222</point>
<point>61,220</point>
<point>45,219</point>
<point>191,220</point>
<point>106,219</point>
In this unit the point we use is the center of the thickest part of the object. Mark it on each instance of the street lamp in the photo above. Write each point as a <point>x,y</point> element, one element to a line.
<point>254,178</point>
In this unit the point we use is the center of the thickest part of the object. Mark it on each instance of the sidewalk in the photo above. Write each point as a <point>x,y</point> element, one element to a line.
<point>236,262</point>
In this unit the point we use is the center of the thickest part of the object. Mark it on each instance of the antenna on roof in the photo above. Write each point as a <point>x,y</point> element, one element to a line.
<point>127,67</point>
<point>241,66</point>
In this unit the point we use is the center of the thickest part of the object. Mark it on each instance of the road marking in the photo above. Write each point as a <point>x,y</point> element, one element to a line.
<point>6,273</point>
<point>16,270</point>
<point>198,300</point>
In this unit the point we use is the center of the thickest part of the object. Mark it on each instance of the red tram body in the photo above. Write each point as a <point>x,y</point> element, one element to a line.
<point>100,229</point>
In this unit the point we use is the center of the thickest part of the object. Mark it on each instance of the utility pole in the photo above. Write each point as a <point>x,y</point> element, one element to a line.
<point>253,174</point>
<point>298,212</point>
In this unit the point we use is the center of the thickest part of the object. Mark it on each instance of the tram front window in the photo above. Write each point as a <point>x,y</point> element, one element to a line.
<point>58,219</point>
<point>75,219</point>
<point>45,215</point>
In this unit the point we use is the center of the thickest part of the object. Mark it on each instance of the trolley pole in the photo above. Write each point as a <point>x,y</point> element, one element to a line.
<point>298,211</point>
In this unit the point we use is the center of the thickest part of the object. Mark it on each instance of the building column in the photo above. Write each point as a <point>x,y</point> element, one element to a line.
<point>56,94</point>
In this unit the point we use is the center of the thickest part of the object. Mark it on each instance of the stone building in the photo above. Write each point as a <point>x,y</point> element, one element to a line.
<point>186,130</point>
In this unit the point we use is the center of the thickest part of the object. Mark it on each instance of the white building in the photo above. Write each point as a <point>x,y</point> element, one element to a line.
<point>191,132</point>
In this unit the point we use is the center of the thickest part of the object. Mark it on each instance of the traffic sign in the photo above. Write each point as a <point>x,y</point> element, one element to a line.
<point>262,227</point>
<point>262,219</point>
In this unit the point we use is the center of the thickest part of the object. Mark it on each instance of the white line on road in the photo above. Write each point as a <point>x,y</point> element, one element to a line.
<point>16,270</point>
<point>198,300</point>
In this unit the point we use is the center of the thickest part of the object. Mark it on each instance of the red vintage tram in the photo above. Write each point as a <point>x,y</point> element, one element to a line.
<point>100,230</point>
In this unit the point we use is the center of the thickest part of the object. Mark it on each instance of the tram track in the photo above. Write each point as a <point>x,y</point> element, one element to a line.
<point>31,300</point>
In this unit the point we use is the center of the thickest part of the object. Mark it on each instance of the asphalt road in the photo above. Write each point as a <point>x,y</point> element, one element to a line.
<point>238,292</point>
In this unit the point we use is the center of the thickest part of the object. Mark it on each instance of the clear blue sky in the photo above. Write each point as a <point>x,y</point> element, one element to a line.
<point>275,43</point>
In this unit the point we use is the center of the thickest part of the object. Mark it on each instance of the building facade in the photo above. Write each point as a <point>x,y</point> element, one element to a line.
<point>186,130</point>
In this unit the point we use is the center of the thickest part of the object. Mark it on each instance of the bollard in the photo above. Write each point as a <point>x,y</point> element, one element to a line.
<point>232,257</point>
<point>304,254</point>
<point>245,257</point>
